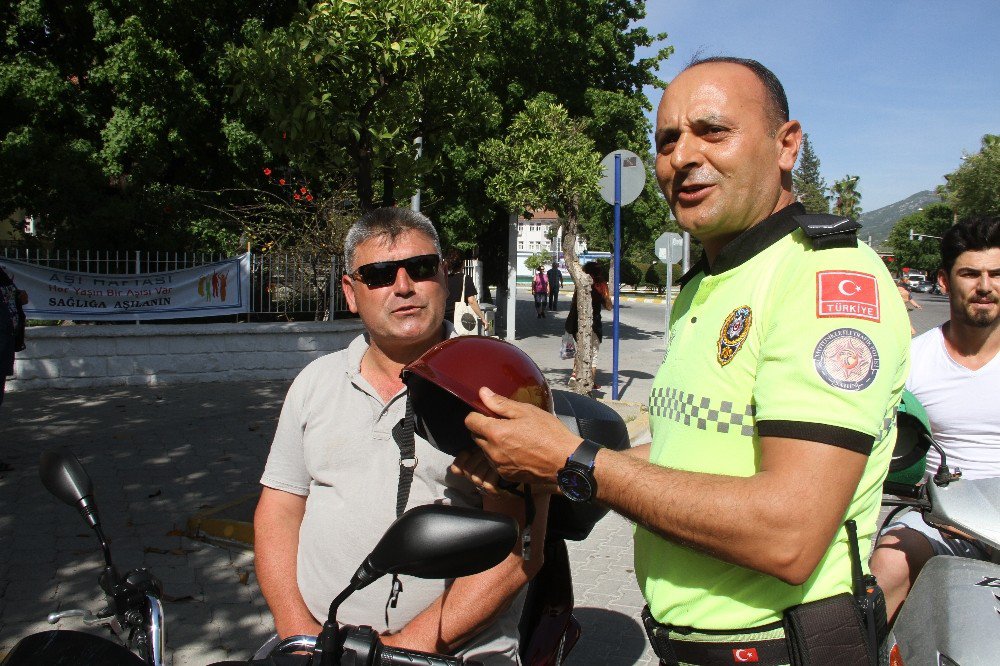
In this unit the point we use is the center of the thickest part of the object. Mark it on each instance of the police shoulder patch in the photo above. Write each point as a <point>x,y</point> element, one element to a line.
<point>847,294</point>
<point>734,333</point>
<point>847,359</point>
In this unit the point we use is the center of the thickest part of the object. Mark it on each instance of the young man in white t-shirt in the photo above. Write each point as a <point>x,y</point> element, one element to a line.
<point>955,373</point>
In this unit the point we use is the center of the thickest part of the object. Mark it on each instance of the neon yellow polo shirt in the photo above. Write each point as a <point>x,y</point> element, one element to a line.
<point>777,339</point>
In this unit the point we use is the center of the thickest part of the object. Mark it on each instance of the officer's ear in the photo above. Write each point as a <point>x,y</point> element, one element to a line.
<point>788,138</point>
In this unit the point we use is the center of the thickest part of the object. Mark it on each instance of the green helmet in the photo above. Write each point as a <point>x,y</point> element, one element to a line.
<point>913,439</point>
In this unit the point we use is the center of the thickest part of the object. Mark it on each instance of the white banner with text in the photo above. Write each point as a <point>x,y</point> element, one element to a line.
<point>208,290</point>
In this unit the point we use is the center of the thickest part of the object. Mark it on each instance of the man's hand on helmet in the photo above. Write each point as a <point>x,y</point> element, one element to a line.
<point>477,468</point>
<point>525,444</point>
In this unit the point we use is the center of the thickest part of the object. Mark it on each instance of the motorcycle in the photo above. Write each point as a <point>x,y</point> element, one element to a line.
<point>133,612</point>
<point>950,614</point>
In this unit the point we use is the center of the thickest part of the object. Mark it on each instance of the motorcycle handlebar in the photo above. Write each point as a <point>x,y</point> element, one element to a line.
<point>362,646</point>
<point>399,657</point>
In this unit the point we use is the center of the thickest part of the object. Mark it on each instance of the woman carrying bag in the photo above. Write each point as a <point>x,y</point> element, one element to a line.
<point>462,308</point>
<point>600,299</point>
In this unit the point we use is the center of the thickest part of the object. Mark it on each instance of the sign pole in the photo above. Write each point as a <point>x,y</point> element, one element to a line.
<point>618,274</point>
<point>624,176</point>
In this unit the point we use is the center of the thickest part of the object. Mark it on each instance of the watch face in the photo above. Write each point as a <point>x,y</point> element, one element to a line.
<point>575,485</point>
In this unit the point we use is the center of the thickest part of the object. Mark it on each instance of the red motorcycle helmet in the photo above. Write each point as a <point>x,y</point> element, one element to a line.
<point>444,386</point>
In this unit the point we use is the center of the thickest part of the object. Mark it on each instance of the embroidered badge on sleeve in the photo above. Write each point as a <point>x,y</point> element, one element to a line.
<point>847,359</point>
<point>847,294</point>
<point>734,332</point>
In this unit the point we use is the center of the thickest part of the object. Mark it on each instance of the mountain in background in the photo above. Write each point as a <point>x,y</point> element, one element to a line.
<point>878,223</point>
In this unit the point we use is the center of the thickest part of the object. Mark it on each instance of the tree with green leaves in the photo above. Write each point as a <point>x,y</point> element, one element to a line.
<point>810,188</point>
<point>346,88</point>
<point>584,54</point>
<point>974,189</point>
<point>538,260</point>
<point>920,253</point>
<point>114,118</point>
<point>547,161</point>
<point>847,198</point>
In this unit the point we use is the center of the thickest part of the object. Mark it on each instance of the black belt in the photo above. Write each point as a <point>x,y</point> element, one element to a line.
<point>673,649</point>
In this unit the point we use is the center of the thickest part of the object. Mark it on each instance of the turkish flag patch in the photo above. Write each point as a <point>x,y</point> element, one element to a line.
<point>745,655</point>
<point>847,294</point>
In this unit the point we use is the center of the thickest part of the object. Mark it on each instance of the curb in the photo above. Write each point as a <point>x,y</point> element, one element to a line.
<point>228,525</point>
<point>625,299</point>
<point>636,415</point>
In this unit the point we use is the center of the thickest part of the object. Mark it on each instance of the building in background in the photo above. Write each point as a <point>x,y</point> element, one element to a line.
<point>542,232</point>
<point>16,228</point>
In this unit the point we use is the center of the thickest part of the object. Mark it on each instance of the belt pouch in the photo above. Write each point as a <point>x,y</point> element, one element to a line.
<point>827,632</point>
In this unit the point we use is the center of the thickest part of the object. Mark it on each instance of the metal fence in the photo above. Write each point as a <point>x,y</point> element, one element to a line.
<point>283,286</point>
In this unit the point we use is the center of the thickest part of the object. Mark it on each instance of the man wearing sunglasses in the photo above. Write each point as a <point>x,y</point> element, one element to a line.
<point>340,470</point>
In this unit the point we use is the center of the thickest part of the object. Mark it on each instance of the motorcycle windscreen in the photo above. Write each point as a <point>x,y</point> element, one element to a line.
<point>69,648</point>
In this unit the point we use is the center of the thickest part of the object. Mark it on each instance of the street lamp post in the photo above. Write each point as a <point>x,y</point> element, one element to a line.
<point>920,237</point>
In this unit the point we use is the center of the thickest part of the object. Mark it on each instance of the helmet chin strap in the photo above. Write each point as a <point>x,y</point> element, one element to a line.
<point>529,512</point>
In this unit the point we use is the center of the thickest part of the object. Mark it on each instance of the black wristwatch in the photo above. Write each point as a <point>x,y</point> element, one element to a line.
<point>576,479</point>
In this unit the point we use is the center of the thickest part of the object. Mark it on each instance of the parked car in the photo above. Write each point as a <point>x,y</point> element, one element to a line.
<point>924,287</point>
<point>913,278</point>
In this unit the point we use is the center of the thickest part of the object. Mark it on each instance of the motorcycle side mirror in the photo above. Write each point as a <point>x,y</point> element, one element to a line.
<point>430,541</point>
<point>64,476</point>
<point>439,541</point>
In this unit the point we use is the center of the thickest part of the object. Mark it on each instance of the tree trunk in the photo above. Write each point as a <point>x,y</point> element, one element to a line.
<point>388,187</point>
<point>585,337</point>
<point>365,186</point>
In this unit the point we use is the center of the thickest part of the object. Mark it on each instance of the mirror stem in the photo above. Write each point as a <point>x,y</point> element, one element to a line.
<point>109,577</point>
<point>944,475</point>
<point>326,643</point>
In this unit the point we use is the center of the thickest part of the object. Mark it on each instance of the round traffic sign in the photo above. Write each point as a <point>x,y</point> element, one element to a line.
<point>633,177</point>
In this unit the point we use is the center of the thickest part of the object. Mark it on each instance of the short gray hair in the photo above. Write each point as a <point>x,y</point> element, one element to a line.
<point>391,222</point>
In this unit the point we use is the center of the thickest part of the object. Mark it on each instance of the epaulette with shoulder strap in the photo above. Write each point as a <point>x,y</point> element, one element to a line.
<point>825,231</point>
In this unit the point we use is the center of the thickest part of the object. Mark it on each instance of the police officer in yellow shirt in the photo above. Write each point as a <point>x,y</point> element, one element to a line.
<point>773,414</point>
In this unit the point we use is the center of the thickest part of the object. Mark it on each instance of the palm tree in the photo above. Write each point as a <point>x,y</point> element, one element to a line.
<point>847,198</point>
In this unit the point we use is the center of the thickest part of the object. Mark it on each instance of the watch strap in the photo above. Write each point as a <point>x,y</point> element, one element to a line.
<point>586,453</point>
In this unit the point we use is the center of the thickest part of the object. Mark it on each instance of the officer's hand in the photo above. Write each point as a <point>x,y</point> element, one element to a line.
<point>525,443</point>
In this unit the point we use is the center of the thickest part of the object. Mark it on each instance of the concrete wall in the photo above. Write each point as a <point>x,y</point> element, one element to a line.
<point>149,354</point>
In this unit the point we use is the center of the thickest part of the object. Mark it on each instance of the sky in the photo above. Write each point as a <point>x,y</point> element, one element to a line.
<point>893,91</point>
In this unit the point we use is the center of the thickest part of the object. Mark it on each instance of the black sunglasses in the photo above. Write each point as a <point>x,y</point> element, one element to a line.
<point>383,273</point>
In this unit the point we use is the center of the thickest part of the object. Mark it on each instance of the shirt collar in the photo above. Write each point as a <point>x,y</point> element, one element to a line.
<point>359,345</point>
<point>749,243</point>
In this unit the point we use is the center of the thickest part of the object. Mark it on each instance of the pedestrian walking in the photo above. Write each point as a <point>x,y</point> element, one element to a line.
<point>555,277</point>
<point>911,305</point>
<point>540,290</point>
